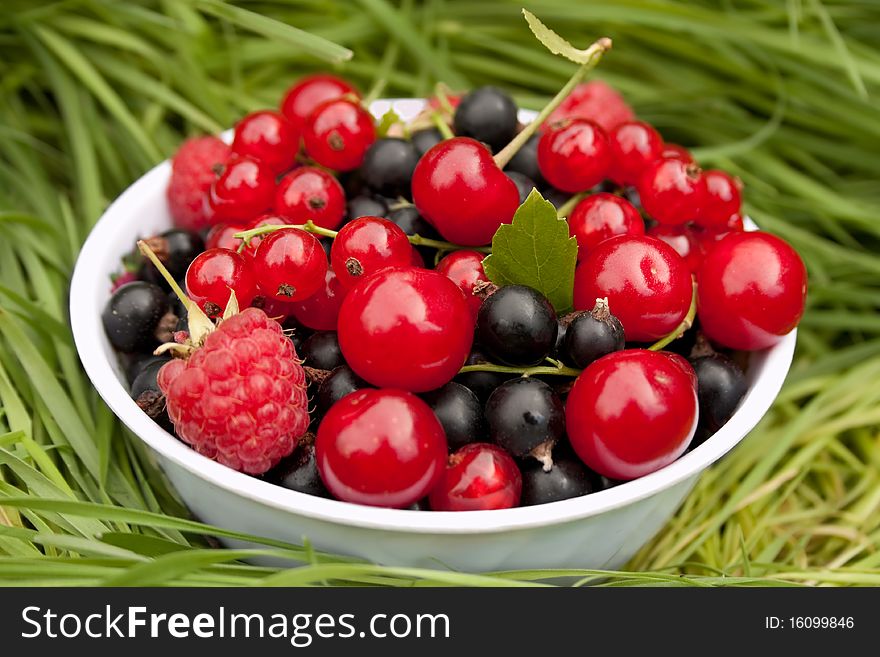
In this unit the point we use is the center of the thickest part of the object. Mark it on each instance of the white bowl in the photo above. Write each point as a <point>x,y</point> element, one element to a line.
<point>601,530</point>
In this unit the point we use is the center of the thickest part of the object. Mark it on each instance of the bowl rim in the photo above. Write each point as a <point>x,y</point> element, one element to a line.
<point>85,318</point>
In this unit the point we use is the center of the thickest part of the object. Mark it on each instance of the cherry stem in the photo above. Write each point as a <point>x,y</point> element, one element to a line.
<point>441,125</point>
<point>559,370</point>
<point>686,323</point>
<point>310,227</point>
<point>566,208</point>
<point>595,53</point>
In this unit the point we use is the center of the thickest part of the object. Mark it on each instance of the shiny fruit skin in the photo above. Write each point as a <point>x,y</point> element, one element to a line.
<point>310,194</point>
<point>338,134</point>
<point>751,290</point>
<point>308,93</point>
<point>320,311</point>
<point>367,245</point>
<point>631,413</point>
<point>479,477</point>
<point>517,326</point>
<point>267,136</point>
<point>459,411</point>
<point>523,413</point>
<point>458,188</point>
<point>634,145</point>
<point>405,328</point>
<point>601,216</point>
<point>672,191</point>
<point>465,269</point>
<point>214,274</point>
<point>648,285</point>
<point>683,240</point>
<point>380,448</point>
<point>574,155</point>
<point>244,191</point>
<point>723,199</point>
<point>487,114</point>
<point>290,265</point>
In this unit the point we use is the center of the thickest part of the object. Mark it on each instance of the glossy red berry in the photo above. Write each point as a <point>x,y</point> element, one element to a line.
<point>458,188</point>
<point>674,151</point>
<point>752,288</point>
<point>683,240</point>
<point>320,311</point>
<point>574,155</point>
<point>267,136</point>
<point>600,216</point>
<point>290,265</point>
<point>465,269</point>
<point>707,237</point>
<point>416,259</point>
<point>630,413</point>
<point>222,236</point>
<point>722,200</point>
<point>338,133</point>
<point>648,285</point>
<point>683,364</point>
<point>406,328</point>
<point>366,245</point>
<point>214,274</point>
<point>478,477</point>
<point>672,191</point>
<point>244,190</point>
<point>310,194</point>
<point>634,145</point>
<point>308,93</point>
<point>595,100</point>
<point>380,448</point>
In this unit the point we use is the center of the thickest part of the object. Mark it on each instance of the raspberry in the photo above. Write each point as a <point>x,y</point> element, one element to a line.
<point>241,398</point>
<point>595,101</point>
<point>192,172</point>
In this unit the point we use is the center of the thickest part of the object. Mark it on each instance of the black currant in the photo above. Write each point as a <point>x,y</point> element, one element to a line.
<point>176,249</point>
<point>591,335</point>
<point>321,351</point>
<point>721,385</point>
<point>136,317</point>
<point>142,362</point>
<point>460,412</point>
<point>408,219</point>
<point>524,413</point>
<point>425,140</point>
<point>482,384</point>
<point>342,381</point>
<point>365,205</point>
<point>559,348</point>
<point>556,197</point>
<point>145,391</point>
<point>487,114</point>
<point>524,184</point>
<point>517,326</point>
<point>388,166</point>
<point>526,160</point>
<point>567,477</point>
<point>299,471</point>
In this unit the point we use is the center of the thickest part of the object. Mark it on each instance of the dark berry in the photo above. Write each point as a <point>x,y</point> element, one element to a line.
<point>517,326</point>
<point>591,335</point>
<point>557,197</point>
<point>559,347</point>
<point>721,385</point>
<point>487,114</point>
<point>366,205</point>
<point>134,316</point>
<point>142,362</point>
<point>342,381</point>
<point>526,160</point>
<point>482,384</point>
<point>299,472</point>
<point>388,166</point>
<point>321,351</point>
<point>145,391</point>
<point>426,139</point>
<point>460,412</point>
<point>524,184</point>
<point>523,413</point>
<point>412,223</point>
<point>567,477</point>
<point>420,505</point>
<point>145,381</point>
<point>176,249</point>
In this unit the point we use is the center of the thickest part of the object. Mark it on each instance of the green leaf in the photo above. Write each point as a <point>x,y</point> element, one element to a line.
<point>388,119</point>
<point>555,43</point>
<point>535,250</point>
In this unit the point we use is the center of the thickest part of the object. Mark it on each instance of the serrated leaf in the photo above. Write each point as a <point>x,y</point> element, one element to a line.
<point>535,249</point>
<point>555,43</point>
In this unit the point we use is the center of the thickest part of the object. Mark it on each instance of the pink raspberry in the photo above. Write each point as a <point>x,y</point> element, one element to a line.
<point>241,398</point>
<point>596,101</point>
<point>193,169</point>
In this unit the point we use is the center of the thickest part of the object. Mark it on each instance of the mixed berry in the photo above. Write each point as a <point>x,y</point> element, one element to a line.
<point>340,336</point>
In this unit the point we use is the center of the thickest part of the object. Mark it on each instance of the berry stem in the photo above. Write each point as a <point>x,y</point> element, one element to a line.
<point>566,208</point>
<point>441,125</point>
<point>595,53</point>
<point>560,370</point>
<point>679,330</point>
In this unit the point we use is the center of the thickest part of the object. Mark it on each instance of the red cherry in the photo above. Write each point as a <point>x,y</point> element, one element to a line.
<point>647,283</point>
<point>338,133</point>
<point>722,200</point>
<point>672,191</point>
<point>458,188</point>
<point>574,156</point>
<point>478,477</point>
<point>364,246</point>
<point>308,93</point>
<point>214,274</point>
<point>630,413</point>
<point>634,146</point>
<point>465,269</point>
<point>683,240</point>
<point>596,101</point>
<point>320,311</point>
<point>676,152</point>
<point>267,136</point>
<point>243,191</point>
<point>222,236</point>
<point>290,265</point>
<point>752,288</point>
<point>310,194</point>
<point>600,216</point>
<point>405,328</point>
<point>380,448</point>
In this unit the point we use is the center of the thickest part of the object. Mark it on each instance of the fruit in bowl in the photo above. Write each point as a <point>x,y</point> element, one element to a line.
<point>535,370</point>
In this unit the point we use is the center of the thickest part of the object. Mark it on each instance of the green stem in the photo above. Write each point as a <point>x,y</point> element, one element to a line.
<point>686,323</point>
<point>566,208</point>
<point>561,370</point>
<point>596,51</point>
<point>441,125</point>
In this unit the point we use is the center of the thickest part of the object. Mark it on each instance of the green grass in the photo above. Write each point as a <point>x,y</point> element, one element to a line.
<point>784,94</point>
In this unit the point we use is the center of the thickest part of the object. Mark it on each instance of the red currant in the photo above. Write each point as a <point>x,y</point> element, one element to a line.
<point>722,201</point>
<point>600,216</point>
<point>406,328</point>
<point>364,246</point>
<point>310,194</point>
<point>380,448</point>
<point>478,477</point>
<point>458,188</point>
<point>308,93</point>
<point>752,288</point>
<point>214,274</point>
<point>674,151</point>
<point>465,269</point>
<point>647,283</point>
<point>684,364</point>
<point>338,133</point>
<point>243,191</point>
<point>631,413</point>
<point>222,236</point>
<point>595,100</point>
<point>707,237</point>
<point>416,259</point>
<point>683,240</point>
<point>275,309</point>
<point>634,146</point>
<point>290,265</point>
<point>574,155</point>
<point>267,136</point>
<point>672,191</point>
<point>320,311</point>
